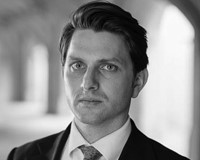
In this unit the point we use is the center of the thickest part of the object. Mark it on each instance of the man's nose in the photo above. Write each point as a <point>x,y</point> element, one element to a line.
<point>90,80</point>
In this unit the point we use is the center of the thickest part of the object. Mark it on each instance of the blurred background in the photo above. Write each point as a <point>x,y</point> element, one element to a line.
<point>32,99</point>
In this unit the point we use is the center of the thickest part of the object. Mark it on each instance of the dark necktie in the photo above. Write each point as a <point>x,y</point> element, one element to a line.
<point>90,153</point>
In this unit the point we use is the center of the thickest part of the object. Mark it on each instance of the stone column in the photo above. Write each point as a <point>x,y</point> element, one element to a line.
<point>17,65</point>
<point>54,78</point>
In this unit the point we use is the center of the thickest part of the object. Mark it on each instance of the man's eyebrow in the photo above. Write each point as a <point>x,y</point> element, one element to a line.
<point>115,60</point>
<point>74,58</point>
<point>103,60</point>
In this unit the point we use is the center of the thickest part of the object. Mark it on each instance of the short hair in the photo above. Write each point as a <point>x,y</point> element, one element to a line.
<point>106,16</point>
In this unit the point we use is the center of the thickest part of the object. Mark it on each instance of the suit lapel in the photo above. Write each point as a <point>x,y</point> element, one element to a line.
<point>137,146</point>
<point>60,143</point>
<point>52,149</point>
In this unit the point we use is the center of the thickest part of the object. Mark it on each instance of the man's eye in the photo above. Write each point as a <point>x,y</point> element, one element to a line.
<point>77,66</point>
<point>109,67</point>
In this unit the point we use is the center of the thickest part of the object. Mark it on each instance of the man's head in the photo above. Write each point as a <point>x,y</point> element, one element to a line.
<point>105,16</point>
<point>104,63</point>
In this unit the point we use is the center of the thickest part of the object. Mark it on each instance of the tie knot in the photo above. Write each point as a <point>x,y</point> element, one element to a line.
<point>90,153</point>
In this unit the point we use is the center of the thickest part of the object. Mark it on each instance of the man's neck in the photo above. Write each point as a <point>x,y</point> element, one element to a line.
<point>94,132</point>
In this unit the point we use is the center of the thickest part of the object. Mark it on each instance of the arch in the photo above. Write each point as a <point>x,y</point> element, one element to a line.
<point>190,11</point>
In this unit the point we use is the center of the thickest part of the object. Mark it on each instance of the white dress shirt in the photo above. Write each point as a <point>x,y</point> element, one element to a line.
<point>109,146</point>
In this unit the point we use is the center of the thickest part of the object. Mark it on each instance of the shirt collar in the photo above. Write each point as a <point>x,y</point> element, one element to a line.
<point>75,138</point>
<point>117,138</point>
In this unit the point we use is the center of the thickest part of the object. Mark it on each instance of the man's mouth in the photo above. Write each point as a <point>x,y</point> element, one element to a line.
<point>89,101</point>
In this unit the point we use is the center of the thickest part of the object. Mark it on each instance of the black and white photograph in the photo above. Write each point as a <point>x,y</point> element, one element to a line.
<point>99,79</point>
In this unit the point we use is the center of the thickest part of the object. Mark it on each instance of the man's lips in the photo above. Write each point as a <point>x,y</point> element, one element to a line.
<point>89,100</point>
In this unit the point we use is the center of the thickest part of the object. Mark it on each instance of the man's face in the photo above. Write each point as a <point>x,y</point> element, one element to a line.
<point>98,76</point>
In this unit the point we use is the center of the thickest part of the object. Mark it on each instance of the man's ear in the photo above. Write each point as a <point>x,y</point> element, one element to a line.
<point>139,82</point>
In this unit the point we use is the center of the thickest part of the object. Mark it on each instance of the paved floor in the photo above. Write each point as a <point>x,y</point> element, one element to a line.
<point>23,122</point>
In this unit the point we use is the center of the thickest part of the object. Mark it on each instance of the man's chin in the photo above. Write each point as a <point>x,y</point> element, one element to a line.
<point>90,119</point>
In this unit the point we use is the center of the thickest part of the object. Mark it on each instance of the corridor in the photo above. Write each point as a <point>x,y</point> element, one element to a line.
<point>23,122</point>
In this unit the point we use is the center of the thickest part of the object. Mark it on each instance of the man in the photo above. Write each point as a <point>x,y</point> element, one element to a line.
<point>104,61</point>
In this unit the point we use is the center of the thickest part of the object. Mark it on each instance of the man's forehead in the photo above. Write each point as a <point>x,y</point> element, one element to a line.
<point>102,44</point>
<point>89,37</point>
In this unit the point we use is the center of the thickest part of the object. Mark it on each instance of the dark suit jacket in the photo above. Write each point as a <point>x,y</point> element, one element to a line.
<point>138,147</point>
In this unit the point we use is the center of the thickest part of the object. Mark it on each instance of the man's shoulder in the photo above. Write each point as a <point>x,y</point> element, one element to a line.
<point>162,151</point>
<point>152,148</point>
<point>33,147</point>
<point>44,141</point>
